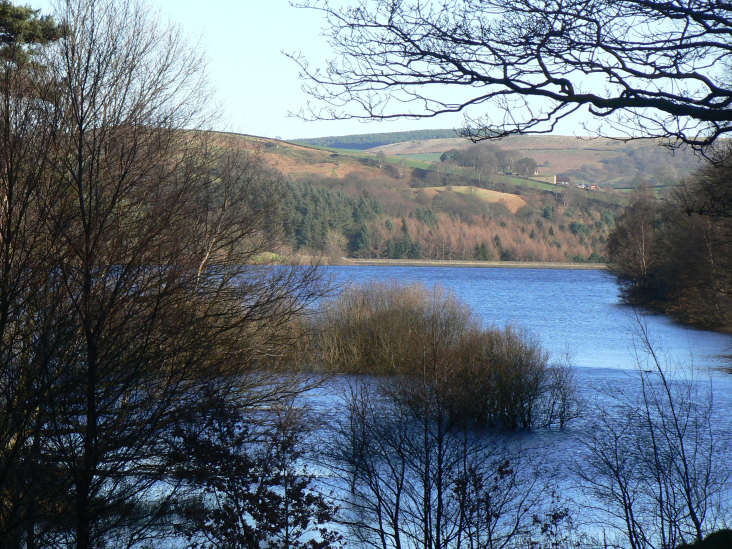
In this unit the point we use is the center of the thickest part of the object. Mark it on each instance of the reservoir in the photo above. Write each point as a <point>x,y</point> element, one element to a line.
<point>578,317</point>
<point>575,314</point>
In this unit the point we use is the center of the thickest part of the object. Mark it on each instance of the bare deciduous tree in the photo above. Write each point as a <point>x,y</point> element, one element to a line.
<point>248,484</point>
<point>130,303</point>
<point>646,67</point>
<point>675,255</point>
<point>410,477</point>
<point>655,463</point>
<point>33,317</point>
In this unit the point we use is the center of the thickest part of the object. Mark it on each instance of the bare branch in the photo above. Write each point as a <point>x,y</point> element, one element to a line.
<point>644,67</point>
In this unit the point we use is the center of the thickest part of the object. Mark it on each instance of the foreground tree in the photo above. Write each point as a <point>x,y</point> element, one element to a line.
<point>647,68</point>
<point>248,485</point>
<point>32,313</point>
<point>21,27</point>
<point>131,308</point>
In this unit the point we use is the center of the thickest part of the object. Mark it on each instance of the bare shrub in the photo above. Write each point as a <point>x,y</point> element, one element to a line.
<point>562,403</point>
<point>388,329</point>
<point>410,480</point>
<point>496,377</point>
<point>505,372</point>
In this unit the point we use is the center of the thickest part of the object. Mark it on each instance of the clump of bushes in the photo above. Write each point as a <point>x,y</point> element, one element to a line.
<point>438,359</point>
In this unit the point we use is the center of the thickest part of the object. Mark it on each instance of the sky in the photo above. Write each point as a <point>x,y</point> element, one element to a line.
<point>255,85</point>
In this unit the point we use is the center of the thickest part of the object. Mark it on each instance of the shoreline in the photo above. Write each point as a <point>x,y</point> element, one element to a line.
<point>468,263</point>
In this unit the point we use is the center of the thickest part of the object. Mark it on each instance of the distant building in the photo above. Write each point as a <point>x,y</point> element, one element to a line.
<point>541,173</point>
<point>564,179</point>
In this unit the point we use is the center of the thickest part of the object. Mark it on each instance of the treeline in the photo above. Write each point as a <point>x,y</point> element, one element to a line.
<point>488,158</point>
<point>366,222</point>
<point>639,164</point>
<point>371,140</point>
<point>675,255</point>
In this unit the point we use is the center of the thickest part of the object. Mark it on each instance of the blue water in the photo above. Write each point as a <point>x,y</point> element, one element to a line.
<point>575,314</point>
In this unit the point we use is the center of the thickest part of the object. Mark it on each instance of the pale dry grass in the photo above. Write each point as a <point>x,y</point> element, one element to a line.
<point>298,161</point>
<point>512,202</point>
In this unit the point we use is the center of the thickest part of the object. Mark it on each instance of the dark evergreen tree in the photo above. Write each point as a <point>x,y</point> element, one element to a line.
<point>361,243</point>
<point>21,27</point>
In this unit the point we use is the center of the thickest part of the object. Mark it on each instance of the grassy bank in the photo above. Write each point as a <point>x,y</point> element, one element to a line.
<point>459,263</point>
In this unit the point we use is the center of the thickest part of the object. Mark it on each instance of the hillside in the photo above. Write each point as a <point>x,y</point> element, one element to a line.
<point>512,202</point>
<point>600,161</point>
<point>370,204</point>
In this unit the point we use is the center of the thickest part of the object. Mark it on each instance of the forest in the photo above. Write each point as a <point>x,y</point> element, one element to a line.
<point>675,255</point>
<point>337,206</point>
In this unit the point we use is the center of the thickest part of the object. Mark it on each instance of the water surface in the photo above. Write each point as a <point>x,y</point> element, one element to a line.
<point>579,313</point>
<point>574,313</point>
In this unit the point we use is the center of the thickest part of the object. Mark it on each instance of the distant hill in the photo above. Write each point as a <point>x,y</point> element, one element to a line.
<point>370,140</point>
<point>370,204</point>
<point>601,161</point>
<point>590,161</point>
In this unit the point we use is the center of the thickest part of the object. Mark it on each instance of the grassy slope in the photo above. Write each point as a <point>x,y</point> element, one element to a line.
<point>512,202</point>
<point>594,160</point>
<point>303,161</point>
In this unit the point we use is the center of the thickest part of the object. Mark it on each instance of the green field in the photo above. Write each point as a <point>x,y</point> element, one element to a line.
<point>425,157</point>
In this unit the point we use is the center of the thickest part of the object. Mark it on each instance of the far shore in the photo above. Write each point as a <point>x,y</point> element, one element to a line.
<point>465,263</point>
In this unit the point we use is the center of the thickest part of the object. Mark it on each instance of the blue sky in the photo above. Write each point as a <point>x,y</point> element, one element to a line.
<point>255,85</point>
